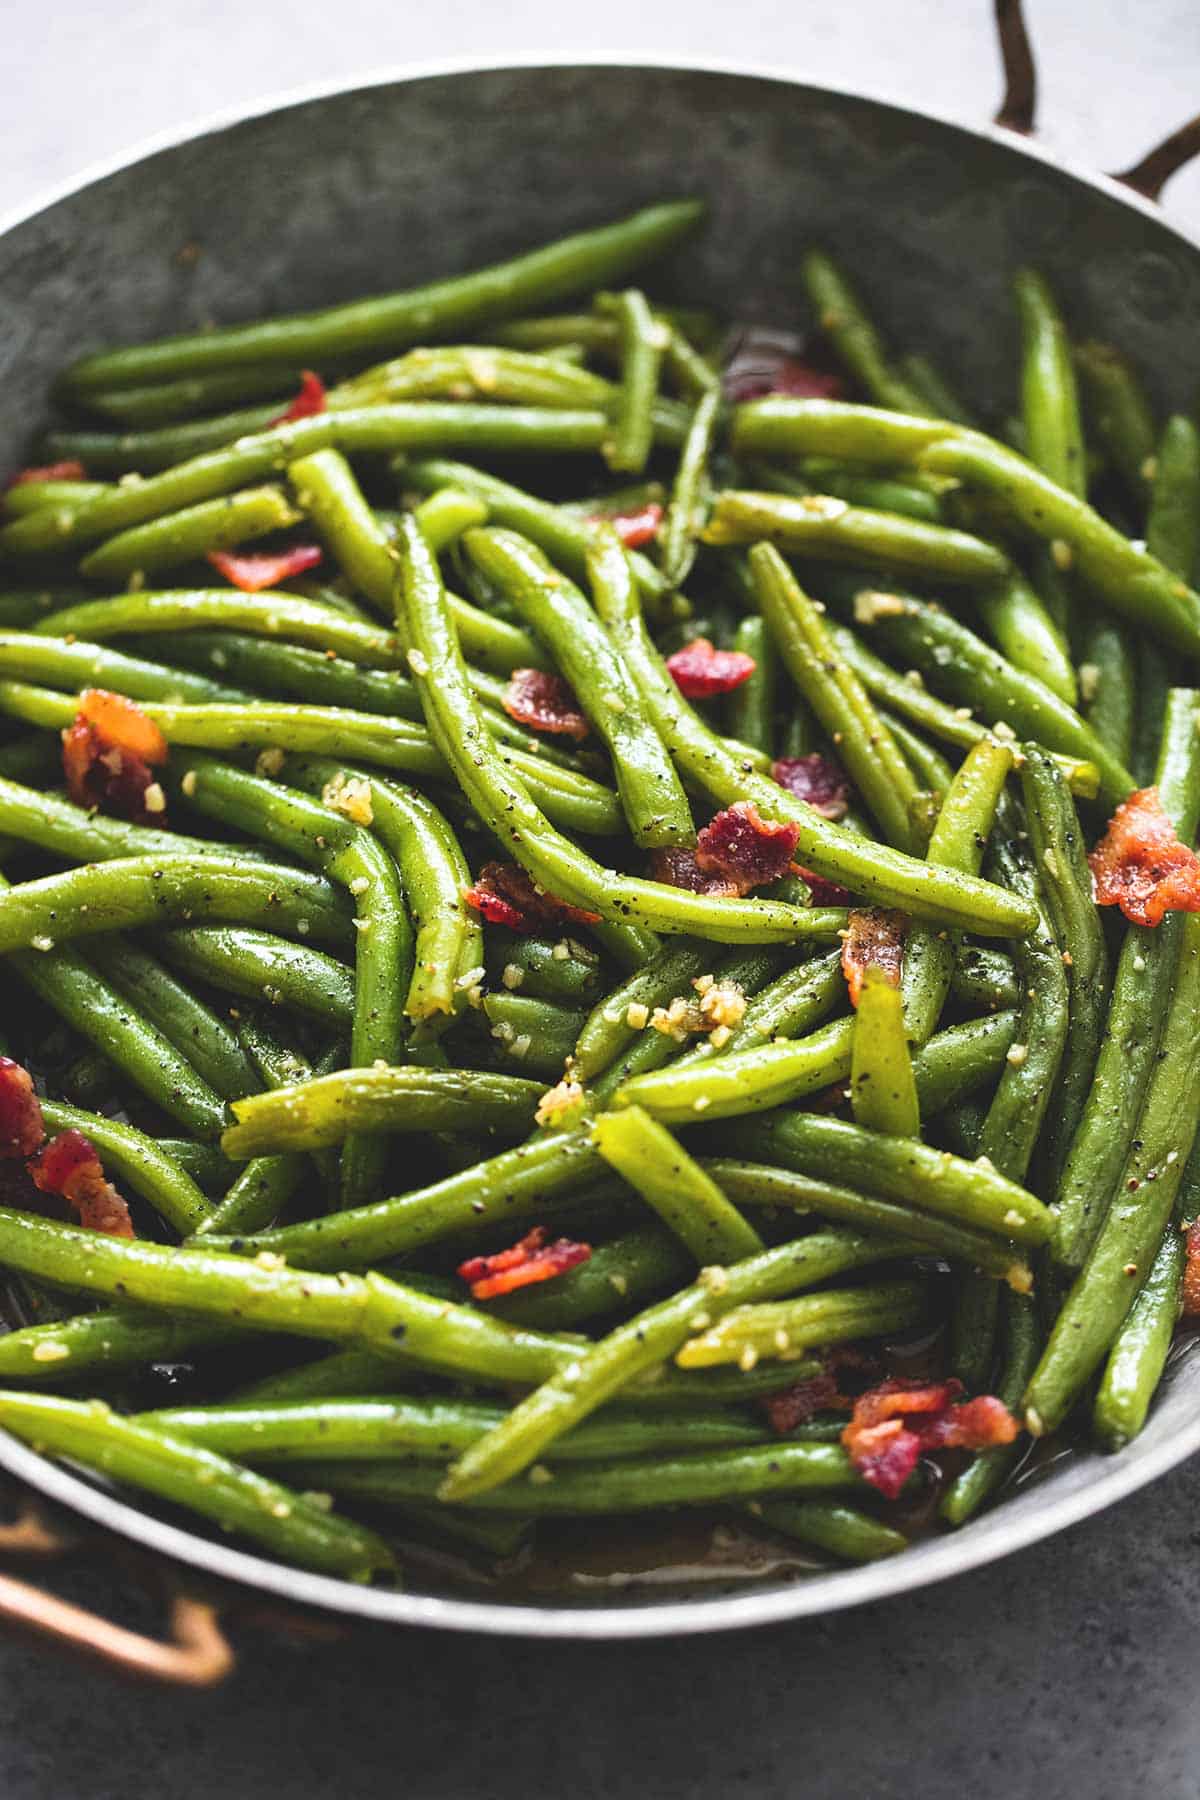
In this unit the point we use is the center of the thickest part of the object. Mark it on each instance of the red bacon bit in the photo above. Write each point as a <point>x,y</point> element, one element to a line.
<point>633,528</point>
<point>745,848</point>
<point>69,1165</point>
<point>265,569</point>
<point>679,868</point>
<point>545,703</point>
<point>21,1127</point>
<point>894,1423</point>
<point>822,1392</point>
<point>815,780</point>
<point>308,402</point>
<point>505,895</point>
<point>700,671</point>
<point>109,753</point>
<point>824,893</point>
<point>1140,864</point>
<point>69,470</point>
<point>530,1260</point>
<point>874,940</point>
<point>763,361</point>
<point>1191,1270</point>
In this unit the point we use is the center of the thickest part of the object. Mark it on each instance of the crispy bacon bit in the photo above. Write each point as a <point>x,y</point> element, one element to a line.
<point>816,780</point>
<point>530,1260</point>
<point>633,528</point>
<point>1140,864</point>
<point>679,868</point>
<point>310,400</point>
<point>545,703</point>
<point>822,1392</point>
<point>824,893</point>
<point>505,895</point>
<point>894,1423</point>
<point>762,361</point>
<point>743,847</point>
<point>109,755</point>
<point>700,671</point>
<point>21,1127</point>
<point>69,470</point>
<point>1191,1270</point>
<point>68,1165</point>
<point>264,569</point>
<point>875,940</point>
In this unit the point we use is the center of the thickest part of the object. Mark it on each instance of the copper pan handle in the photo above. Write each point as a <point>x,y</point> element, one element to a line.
<point>1018,108</point>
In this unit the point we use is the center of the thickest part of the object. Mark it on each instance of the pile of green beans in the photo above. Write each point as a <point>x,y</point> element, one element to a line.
<point>327,1062</point>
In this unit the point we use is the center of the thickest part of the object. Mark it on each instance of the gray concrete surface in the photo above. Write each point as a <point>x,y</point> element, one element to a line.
<point>1065,1671</point>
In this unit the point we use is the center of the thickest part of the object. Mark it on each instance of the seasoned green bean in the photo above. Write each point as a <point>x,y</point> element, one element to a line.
<point>683,1195</point>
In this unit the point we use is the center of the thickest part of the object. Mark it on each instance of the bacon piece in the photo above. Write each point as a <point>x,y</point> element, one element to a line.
<point>69,470</point>
<point>679,868</point>
<point>824,893</point>
<point>1191,1269</point>
<point>1140,864</point>
<point>815,780</point>
<point>699,671</point>
<point>545,703</point>
<point>310,400</point>
<point>68,1165</point>
<point>743,847</point>
<point>265,569</point>
<point>894,1423</point>
<point>875,940</point>
<point>109,753</point>
<point>764,361</point>
<point>21,1126</point>
<point>821,1392</point>
<point>633,528</point>
<point>505,895</point>
<point>530,1260</point>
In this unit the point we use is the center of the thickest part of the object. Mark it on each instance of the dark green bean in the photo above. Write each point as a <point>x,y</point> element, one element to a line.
<point>259,966</point>
<point>192,532</point>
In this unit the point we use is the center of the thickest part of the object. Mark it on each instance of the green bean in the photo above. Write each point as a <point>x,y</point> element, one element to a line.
<point>742,1081</point>
<point>627,1272</point>
<point>29,496</point>
<point>530,965</point>
<point>88,1432</point>
<point>1123,1253</point>
<point>896,1169</point>
<point>983,977</point>
<point>504,804</point>
<point>642,343</point>
<point>880,493</point>
<point>535,1035</point>
<point>475,372</point>
<point>191,532</point>
<point>131,891</point>
<point>1119,413</point>
<point>193,1028</point>
<point>606,1030</point>
<point>69,831</point>
<point>446,514</point>
<point>787,1007</point>
<point>985,1472</point>
<point>204,1163</point>
<point>882,1089</point>
<point>684,517</point>
<point>1173,526</point>
<point>835,695</point>
<point>326,489</point>
<point>74,665</point>
<point>538,278</point>
<point>142,1162</point>
<point>956,1061</point>
<point>609,1366</point>
<point>926,379</point>
<point>1022,627</point>
<point>641,1485</point>
<point>842,318</point>
<point>148,452</point>
<point>823,526</point>
<point>1109,683</point>
<point>22,607</point>
<point>685,1198</point>
<point>257,965</point>
<point>1140,994</point>
<point>783,1328</point>
<point>954,659</point>
<point>1140,1349</point>
<point>278,671</point>
<point>929,767</point>
<point>111,1339</point>
<point>1049,400</point>
<point>1056,840</point>
<point>751,707</point>
<point>872,870</point>
<point>161,402</point>
<point>368,1310</point>
<point>841,1530</point>
<point>285,617</point>
<point>652,796</point>
<point>512,1185</point>
<point>349,1430</point>
<point>560,531</point>
<point>328,1108</point>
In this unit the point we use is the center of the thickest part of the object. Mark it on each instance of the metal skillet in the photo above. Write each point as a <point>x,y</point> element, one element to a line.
<point>335,194</point>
